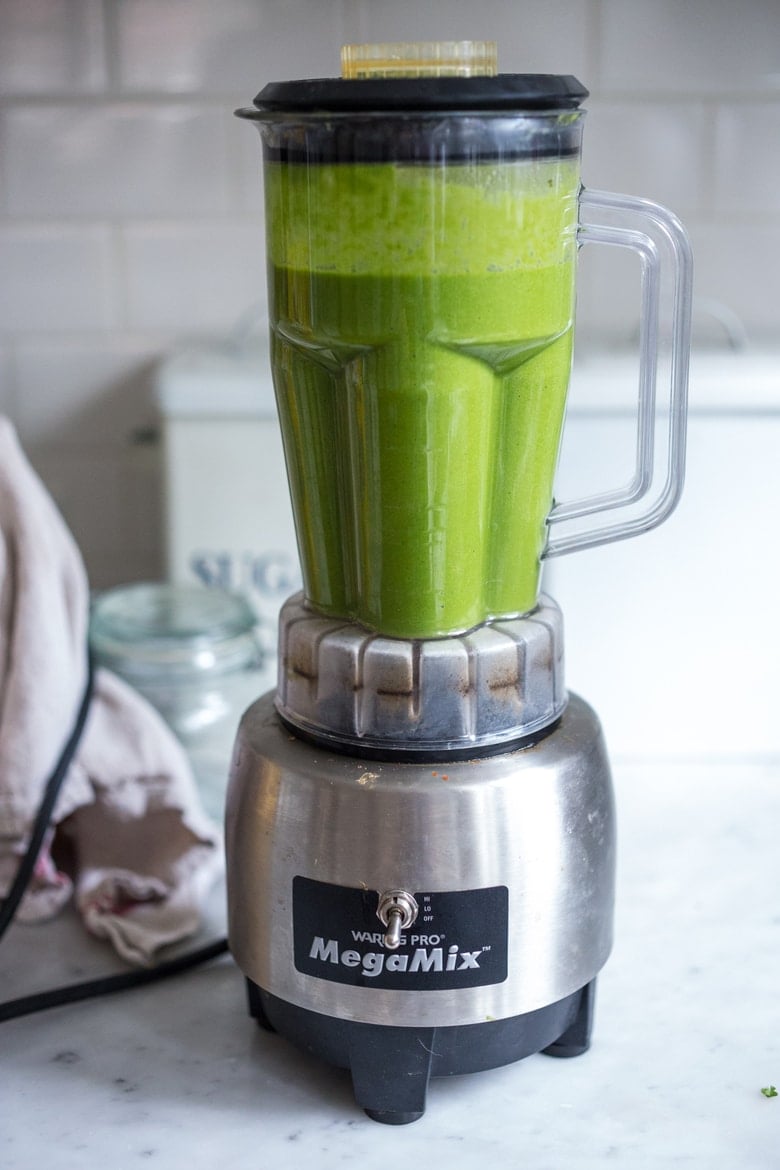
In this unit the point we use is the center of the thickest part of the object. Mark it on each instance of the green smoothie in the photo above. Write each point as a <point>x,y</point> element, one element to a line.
<point>421,331</point>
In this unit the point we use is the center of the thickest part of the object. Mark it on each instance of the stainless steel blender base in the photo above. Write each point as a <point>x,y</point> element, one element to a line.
<point>509,859</point>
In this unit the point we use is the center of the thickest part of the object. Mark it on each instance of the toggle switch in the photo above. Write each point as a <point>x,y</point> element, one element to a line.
<point>396,911</point>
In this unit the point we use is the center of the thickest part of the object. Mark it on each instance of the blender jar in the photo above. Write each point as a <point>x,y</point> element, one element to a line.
<point>422,234</point>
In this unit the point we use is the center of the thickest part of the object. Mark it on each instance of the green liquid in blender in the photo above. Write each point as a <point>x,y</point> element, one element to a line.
<point>421,346</point>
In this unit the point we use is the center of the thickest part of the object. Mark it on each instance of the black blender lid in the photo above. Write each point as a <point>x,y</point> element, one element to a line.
<point>503,91</point>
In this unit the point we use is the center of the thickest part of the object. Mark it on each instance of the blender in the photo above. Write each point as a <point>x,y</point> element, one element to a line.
<point>420,823</point>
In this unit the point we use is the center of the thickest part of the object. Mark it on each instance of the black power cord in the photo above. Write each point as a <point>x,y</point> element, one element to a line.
<point>74,992</point>
<point>43,816</point>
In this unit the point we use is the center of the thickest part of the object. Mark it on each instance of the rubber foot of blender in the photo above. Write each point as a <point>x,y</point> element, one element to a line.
<point>576,1039</point>
<point>390,1070</point>
<point>385,1117</point>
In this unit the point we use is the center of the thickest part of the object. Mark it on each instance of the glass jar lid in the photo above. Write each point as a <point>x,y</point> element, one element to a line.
<point>149,629</point>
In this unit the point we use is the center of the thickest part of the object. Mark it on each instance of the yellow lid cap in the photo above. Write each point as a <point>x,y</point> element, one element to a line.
<point>420,59</point>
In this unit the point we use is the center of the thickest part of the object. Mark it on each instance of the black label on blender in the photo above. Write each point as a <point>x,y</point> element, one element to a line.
<point>458,939</point>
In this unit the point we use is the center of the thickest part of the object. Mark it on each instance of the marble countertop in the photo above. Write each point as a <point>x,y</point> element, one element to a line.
<point>687,1032</point>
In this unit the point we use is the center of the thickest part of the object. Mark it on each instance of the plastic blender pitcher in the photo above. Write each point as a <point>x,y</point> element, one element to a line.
<point>422,236</point>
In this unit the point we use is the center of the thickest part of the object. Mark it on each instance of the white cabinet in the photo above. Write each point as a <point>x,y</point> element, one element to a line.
<point>228,515</point>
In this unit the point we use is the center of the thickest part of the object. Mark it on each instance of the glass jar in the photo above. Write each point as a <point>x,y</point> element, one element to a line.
<point>194,654</point>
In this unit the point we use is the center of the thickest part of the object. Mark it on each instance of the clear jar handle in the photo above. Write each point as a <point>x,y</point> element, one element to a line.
<point>664,248</point>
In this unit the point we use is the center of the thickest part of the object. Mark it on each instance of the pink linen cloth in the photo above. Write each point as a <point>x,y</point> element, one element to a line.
<point>141,851</point>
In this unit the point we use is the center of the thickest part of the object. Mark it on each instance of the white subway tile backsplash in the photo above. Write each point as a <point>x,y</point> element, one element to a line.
<point>695,46</point>
<point>141,518</point>
<point>84,482</point>
<point>109,567</point>
<point>111,503</point>
<point>191,277</point>
<point>649,149</point>
<point>56,277</point>
<point>608,295</point>
<point>131,199</point>
<point>51,46</point>
<point>738,264</point>
<point>233,47</point>
<point>532,38</point>
<point>733,268</point>
<point>6,386</point>
<point>116,160</point>
<point>747,158</point>
<point>246,151</point>
<point>85,390</point>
